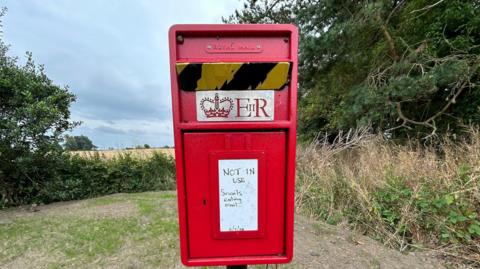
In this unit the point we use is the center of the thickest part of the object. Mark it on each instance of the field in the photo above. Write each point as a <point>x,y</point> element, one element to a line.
<point>141,231</point>
<point>140,153</point>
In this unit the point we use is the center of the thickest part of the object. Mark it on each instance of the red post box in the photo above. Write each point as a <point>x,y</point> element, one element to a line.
<point>234,92</point>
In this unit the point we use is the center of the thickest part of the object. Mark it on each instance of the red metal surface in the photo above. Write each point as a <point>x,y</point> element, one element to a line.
<point>190,115</point>
<point>202,185</point>
<point>199,144</point>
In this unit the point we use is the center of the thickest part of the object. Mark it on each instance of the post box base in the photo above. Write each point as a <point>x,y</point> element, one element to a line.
<point>229,261</point>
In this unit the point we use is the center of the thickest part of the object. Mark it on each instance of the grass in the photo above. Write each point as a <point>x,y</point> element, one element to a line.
<point>146,237</point>
<point>138,230</point>
<point>407,196</point>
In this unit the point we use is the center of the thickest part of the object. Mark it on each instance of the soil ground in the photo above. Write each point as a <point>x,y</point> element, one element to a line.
<point>141,231</point>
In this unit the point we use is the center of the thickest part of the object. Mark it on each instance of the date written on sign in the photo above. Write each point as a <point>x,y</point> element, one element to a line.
<point>238,190</point>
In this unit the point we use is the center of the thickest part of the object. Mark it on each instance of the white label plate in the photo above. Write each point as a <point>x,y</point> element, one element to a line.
<point>238,191</point>
<point>254,105</point>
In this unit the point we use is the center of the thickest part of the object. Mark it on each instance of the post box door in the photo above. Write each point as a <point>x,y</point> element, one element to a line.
<point>231,177</point>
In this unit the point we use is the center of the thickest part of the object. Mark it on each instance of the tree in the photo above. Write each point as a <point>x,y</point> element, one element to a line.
<point>144,146</point>
<point>34,112</point>
<point>409,68</point>
<point>78,142</point>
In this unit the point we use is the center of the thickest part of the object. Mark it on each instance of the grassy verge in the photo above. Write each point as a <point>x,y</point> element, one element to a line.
<point>133,230</point>
<point>408,196</point>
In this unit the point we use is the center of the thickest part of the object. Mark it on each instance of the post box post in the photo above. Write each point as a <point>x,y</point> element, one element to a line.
<point>234,99</point>
<point>237,266</point>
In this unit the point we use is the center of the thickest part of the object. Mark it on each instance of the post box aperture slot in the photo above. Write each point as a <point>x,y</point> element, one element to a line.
<point>233,76</point>
<point>237,182</point>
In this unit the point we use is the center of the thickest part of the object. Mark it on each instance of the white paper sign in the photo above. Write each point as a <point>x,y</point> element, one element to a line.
<point>254,105</point>
<point>238,190</point>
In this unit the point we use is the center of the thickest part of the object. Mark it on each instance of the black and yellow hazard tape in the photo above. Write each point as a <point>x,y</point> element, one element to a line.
<point>232,76</point>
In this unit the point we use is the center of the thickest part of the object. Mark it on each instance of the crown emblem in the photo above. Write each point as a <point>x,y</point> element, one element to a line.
<point>216,107</point>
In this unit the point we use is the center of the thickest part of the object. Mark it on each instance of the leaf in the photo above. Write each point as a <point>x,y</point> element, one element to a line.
<point>474,229</point>
<point>449,199</point>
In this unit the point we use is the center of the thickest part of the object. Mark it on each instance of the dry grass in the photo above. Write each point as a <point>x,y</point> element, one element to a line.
<point>408,196</point>
<point>140,153</point>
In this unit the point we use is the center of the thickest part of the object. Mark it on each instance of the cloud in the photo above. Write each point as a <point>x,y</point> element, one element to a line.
<point>109,130</point>
<point>127,133</point>
<point>114,57</point>
<point>114,97</point>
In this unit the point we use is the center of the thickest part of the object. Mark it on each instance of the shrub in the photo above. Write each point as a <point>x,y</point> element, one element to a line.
<point>408,196</point>
<point>34,112</point>
<point>74,177</point>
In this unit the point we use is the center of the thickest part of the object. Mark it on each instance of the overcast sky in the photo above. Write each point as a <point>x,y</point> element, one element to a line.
<point>113,55</point>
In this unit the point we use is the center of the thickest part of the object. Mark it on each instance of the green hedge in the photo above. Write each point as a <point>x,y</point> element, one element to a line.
<point>70,177</point>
